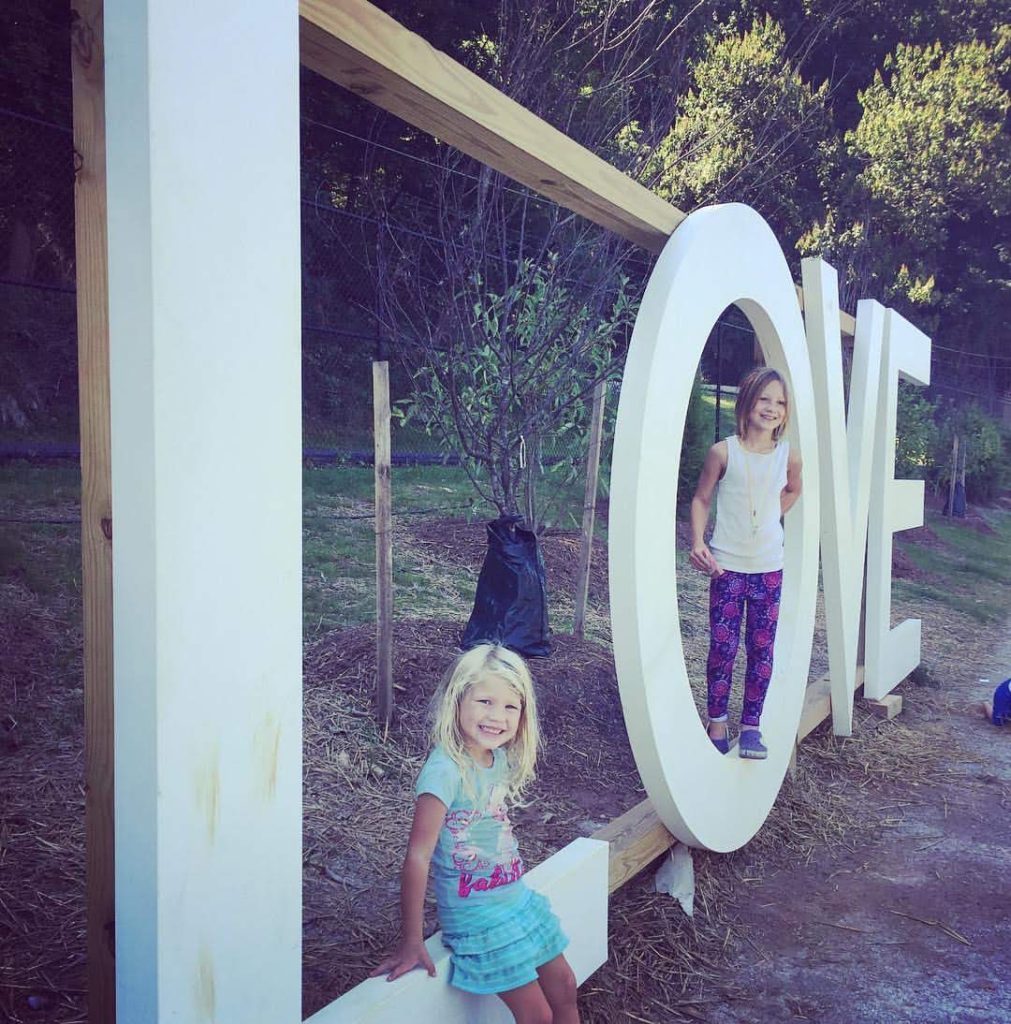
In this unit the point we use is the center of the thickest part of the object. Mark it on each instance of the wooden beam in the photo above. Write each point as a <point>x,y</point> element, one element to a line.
<point>384,541</point>
<point>638,837</point>
<point>361,48</point>
<point>88,68</point>
<point>356,45</point>
<point>887,707</point>
<point>817,706</point>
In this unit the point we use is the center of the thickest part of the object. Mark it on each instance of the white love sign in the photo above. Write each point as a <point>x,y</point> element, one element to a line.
<point>717,257</point>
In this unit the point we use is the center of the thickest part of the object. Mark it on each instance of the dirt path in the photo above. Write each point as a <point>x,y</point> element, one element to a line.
<point>914,927</point>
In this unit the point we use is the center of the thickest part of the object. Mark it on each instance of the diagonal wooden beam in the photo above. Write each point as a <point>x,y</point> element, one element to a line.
<point>356,45</point>
<point>361,48</point>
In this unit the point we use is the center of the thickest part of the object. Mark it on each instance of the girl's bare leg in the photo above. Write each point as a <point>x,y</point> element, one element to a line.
<point>528,1004</point>
<point>559,986</point>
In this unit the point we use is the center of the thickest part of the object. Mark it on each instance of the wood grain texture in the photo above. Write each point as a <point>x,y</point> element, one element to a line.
<point>384,541</point>
<point>589,508</point>
<point>87,57</point>
<point>847,322</point>
<point>361,48</point>
<point>887,707</point>
<point>636,839</point>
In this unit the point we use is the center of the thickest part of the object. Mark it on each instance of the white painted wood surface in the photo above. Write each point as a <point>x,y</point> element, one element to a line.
<point>845,451</point>
<point>891,654</point>
<point>574,880</point>
<point>204,265</point>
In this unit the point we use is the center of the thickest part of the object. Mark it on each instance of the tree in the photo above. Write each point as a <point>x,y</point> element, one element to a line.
<point>508,308</point>
<point>504,370</point>
<point>749,130</point>
<point>854,37</point>
<point>924,218</point>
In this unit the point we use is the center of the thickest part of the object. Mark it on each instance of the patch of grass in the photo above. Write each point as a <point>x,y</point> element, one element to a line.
<point>23,483</point>
<point>338,562</point>
<point>971,570</point>
<point>414,487</point>
<point>978,553</point>
<point>975,607</point>
<point>728,423</point>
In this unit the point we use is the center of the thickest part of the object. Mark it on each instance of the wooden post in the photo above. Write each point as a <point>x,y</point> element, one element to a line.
<point>954,476</point>
<point>589,508</point>
<point>961,475</point>
<point>87,59</point>
<point>384,541</point>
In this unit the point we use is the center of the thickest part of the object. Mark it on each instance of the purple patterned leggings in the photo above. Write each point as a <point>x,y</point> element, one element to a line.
<point>728,595</point>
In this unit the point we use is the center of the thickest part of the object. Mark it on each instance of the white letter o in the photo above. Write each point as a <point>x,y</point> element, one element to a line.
<point>718,256</point>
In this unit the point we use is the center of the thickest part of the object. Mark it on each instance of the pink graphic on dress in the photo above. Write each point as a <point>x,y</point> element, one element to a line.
<point>481,866</point>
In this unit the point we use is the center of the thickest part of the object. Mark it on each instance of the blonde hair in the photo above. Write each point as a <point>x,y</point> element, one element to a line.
<point>748,394</point>
<point>474,667</point>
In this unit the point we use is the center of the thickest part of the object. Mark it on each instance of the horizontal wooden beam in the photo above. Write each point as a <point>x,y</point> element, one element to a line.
<point>847,322</point>
<point>887,707</point>
<point>638,837</point>
<point>361,48</point>
<point>635,839</point>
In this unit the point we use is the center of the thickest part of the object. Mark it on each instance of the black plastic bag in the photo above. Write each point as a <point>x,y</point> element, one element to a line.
<point>511,605</point>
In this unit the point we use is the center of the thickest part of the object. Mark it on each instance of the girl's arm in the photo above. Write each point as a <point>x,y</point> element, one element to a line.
<point>429,816</point>
<point>791,492</point>
<point>713,468</point>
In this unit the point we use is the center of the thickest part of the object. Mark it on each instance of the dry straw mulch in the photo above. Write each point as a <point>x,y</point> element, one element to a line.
<point>42,944</point>
<point>358,782</point>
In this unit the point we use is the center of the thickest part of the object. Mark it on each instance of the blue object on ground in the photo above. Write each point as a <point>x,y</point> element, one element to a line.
<point>1002,703</point>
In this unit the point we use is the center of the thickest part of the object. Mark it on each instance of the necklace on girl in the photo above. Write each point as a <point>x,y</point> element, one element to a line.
<point>770,478</point>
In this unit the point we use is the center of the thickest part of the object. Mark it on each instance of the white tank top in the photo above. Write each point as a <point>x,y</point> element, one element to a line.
<point>748,536</point>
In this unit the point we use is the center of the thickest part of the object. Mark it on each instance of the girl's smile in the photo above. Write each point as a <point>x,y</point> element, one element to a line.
<point>489,717</point>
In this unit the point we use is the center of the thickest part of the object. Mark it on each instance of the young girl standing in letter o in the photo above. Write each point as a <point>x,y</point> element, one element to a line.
<point>503,937</point>
<point>756,478</point>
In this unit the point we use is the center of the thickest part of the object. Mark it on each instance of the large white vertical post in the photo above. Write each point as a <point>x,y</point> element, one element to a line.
<point>203,191</point>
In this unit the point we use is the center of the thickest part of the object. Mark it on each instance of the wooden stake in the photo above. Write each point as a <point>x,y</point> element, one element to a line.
<point>384,541</point>
<point>87,58</point>
<point>589,508</point>
<point>954,476</point>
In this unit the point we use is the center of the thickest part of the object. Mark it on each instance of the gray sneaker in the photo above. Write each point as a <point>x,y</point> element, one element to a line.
<point>749,745</point>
